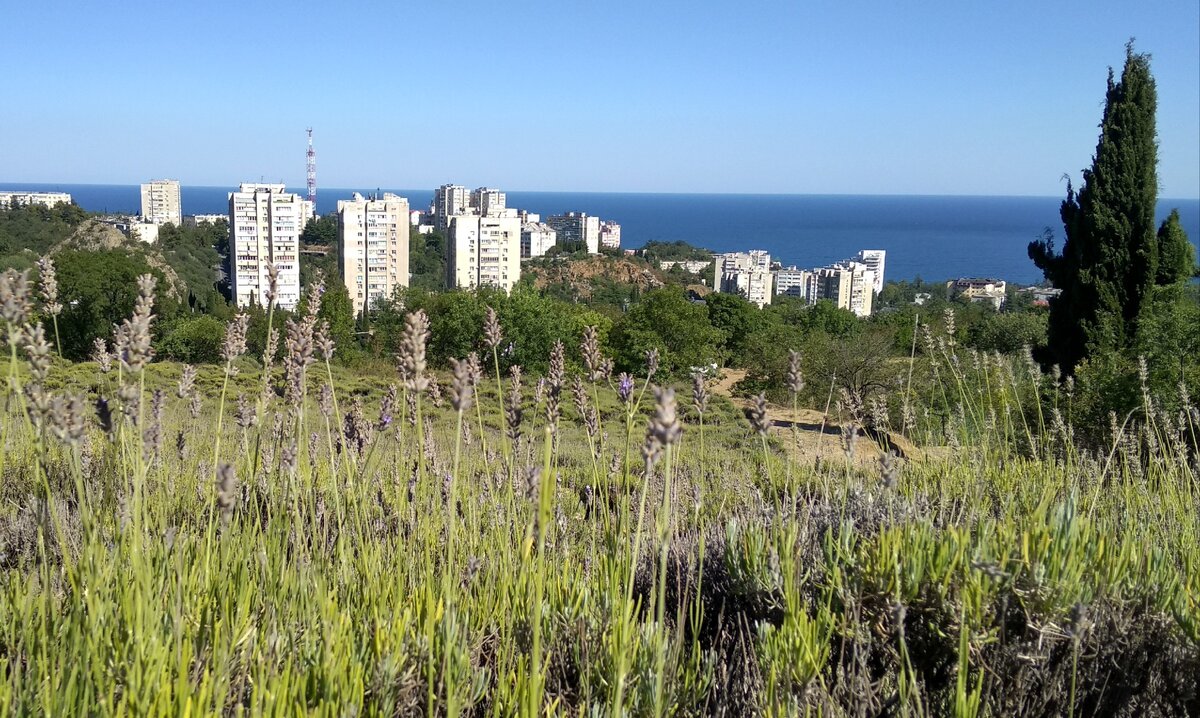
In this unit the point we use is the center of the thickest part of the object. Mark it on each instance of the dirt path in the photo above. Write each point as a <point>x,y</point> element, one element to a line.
<point>808,434</point>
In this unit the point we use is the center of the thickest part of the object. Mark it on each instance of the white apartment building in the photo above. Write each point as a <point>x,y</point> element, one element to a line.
<point>23,198</point>
<point>161,203</point>
<point>874,260</point>
<point>373,244</point>
<point>265,222</point>
<point>745,273</point>
<point>577,228</point>
<point>484,251</point>
<point>449,201</point>
<point>610,235</point>
<point>793,282</point>
<point>536,239</point>
<point>849,285</point>
<point>488,202</point>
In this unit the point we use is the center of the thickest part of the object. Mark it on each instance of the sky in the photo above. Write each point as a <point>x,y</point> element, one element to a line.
<point>937,97</point>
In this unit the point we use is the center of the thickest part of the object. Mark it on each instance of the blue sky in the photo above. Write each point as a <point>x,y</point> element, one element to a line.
<point>937,97</point>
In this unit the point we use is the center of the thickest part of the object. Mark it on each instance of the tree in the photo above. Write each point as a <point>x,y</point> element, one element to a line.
<point>195,340</point>
<point>736,319</point>
<point>665,320</point>
<point>321,230</point>
<point>97,290</point>
<point>1109,264</point>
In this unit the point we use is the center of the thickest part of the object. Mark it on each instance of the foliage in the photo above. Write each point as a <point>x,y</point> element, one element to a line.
<point>30,231</point>
<point>321,230</point>
<point>1007,332</point>
<point>656,251</point>
<point>194,340</point>
<point>427,260</point>
<point>666,321</point>
<point>1109,265</point>
<point>98,289</point>
<point>192,252</point>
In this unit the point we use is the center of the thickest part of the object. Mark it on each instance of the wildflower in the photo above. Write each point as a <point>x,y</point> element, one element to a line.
<point>245,415</point>
<point>435,391</point>
<point>133,334</point>
<point>590,349</point>
<point>356,427</point>
<point>795,377</point>
<point>757,414</point>
<point>194,406</point>
<point>460,388</point>
<point>849,439</point>
<point>100,354</point>
<point>272,292</point>
<point>38,349</point>
<point>67,420</point>
<point>557,371</point>
<point>889,470</point>
<point>664,424</point>
<point>699,393</point>
<point>625,388</point>
<point>324,341</point>
<point>104,415</point>
<point>492,335</point>
<point>387,408</point>
<point>651,362</point>
<point>14,297</point>
<point>187,382</point>
<point>325,401</point>
<point>412,351</point>
<point>226,491</point>
<point>49,282</point>
<point>512,404</point>
<point>235,340</point>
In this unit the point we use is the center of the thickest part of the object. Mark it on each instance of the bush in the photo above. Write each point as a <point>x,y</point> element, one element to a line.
<point>194,341</point>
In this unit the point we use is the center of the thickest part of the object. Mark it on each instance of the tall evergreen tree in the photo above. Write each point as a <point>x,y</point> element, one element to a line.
<point>1109,263</point>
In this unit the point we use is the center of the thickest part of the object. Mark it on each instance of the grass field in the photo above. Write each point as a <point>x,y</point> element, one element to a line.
<point>306,540</point>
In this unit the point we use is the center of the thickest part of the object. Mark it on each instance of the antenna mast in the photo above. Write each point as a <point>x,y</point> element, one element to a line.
<point>312,173</point>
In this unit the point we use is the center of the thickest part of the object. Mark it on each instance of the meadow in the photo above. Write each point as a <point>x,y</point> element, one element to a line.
<point>286,537</point>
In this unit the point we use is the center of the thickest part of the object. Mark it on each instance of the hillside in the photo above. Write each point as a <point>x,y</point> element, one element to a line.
<point>584,278</point>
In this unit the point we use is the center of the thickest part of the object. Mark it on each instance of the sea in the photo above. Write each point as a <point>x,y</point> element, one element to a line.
<point>930,237</point>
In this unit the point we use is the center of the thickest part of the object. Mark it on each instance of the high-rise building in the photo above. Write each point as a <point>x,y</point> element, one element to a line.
<point>160,202</point>
<point>484,251</point>
<point>849,285</point>
<point>22,198</point>
<point>793,282</point>
<point>373,247</point>
<point>874,260</point>
<point>577,228</point>
<point>488,202</point>
<point>744,273</point>
<point>265,222</point>
<point>449,201</point>
<point>536,239</point>
<point>610,235</point>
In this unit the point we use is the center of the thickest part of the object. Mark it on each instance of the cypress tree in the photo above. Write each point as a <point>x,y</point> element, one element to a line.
<point>1109,263</point>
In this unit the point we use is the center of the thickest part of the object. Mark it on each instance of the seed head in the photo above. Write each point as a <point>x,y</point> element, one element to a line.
<point>665,422</point>
<point>226,491</point>
<point>14,296</point>
<point>557,365</point>
<point>757,414</point>
<point>699,393</point>
<point>272,284</point>
<point>38,349</point>
<point>492,334</point>
<point>100,354</point>
<point>187,382</point>
<point>590,349</point>
<point>461,389</point>
<point>412,351</point>
<point>652,361</point>
<point>512,406</point>
<point>324,341</point>
<point>49,282</point>
<point>795,377</point>
<point>235,340</point>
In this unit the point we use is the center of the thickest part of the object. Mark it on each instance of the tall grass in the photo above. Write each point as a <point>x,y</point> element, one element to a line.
<point>380,561</point>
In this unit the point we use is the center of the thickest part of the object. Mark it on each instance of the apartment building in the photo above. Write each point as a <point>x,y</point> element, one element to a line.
<point>265,222</point>
<point>161,202</point>
<point>536,239</point>
<point>23,198</point>
<point>488,202</point>
<point>373,247</point>
<point>577,228</point>
<point>744,273</point>
<point>849,285</point>
<point>610,235</point>
<point>987,291</point>
<point>484,251</point>
<point>793,282</point>
<point>874,260</point>
<point>449,201</point>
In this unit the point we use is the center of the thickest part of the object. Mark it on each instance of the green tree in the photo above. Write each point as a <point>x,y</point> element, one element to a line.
<point>736,319</point>
<point>97,290</point>
<point>665,320</point>
<point>321,230</point>
<point>1109,264</point>
<point>196,340</point>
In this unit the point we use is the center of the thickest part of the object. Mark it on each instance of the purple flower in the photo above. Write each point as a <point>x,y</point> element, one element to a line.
<point>385,420</point>
<point>625,387</point>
